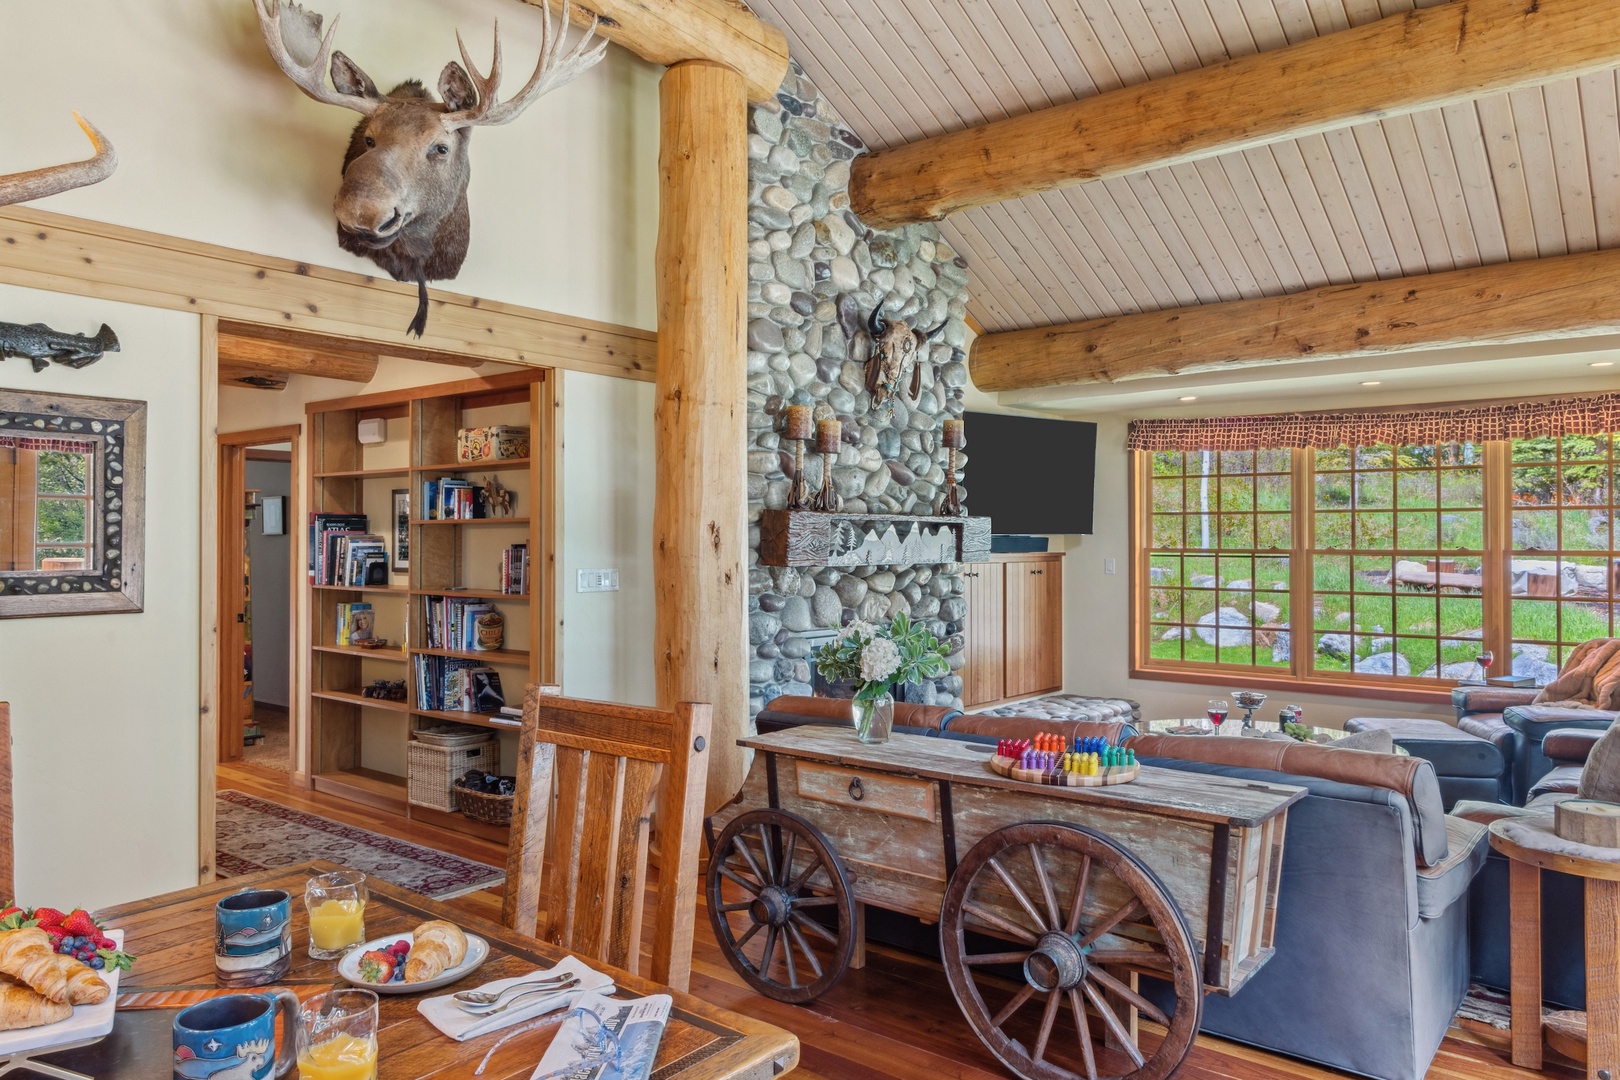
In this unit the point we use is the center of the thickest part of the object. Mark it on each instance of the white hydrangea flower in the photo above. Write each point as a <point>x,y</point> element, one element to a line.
<point>879,660</point>
<point>857,629</point>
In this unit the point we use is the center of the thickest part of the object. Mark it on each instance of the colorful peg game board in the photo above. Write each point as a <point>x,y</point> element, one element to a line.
<point>1050,760</point>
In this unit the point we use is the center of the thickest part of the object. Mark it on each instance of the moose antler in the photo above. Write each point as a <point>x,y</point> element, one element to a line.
<point>555,69</point>
<point>309,75</point>
<point>38,183</point>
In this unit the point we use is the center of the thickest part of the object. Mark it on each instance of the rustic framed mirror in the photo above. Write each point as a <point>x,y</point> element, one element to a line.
<point>72,502</point>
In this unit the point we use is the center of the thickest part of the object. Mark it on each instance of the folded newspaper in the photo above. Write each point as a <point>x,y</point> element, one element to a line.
<point>577,1052</point>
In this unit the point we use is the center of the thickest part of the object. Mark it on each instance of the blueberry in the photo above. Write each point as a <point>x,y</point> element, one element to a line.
<point>64,948</point>
<point>98,963</point>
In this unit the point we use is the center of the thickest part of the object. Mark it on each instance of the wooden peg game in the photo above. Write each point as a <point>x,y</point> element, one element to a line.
<point>1048,759</point>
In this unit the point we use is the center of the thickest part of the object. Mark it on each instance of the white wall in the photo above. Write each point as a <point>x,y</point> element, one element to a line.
<point>104,707</point>
<point>272,593</point>
<point>215,144</point>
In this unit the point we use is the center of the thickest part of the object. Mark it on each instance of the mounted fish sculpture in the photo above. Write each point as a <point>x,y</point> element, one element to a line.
<point>403,201</point>
<point>41,344</point>
<point>38,183</point>
<point>895,344</point>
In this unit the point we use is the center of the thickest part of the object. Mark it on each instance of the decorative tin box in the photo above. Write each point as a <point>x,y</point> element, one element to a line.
<point>492,443</point>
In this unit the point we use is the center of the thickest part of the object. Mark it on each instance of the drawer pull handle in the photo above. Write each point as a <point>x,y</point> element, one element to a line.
<point>856,791</point>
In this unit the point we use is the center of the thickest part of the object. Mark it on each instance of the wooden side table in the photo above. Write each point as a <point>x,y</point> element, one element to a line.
<point>1532,846</point>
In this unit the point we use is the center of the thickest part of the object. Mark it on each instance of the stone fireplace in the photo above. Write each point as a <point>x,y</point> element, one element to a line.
<point>815,272</point>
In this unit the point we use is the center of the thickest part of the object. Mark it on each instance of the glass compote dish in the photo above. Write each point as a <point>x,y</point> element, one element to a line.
<point>1248,701</point>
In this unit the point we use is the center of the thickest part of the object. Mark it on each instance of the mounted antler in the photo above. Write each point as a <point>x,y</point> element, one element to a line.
<point>38,183</point>
<point>554,69</point>
<point>301,36</point>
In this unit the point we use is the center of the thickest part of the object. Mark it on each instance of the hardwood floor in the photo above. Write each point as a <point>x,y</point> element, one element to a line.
<point>895,1018</point>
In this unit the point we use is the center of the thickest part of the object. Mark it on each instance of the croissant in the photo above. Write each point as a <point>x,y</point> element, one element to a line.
<point>27,956</point>
<point>21,1007</point>
<point>436,947</point>
<point>84,986</point>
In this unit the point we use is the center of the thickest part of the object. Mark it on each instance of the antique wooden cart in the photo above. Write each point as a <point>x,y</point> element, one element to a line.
<point>1058,898</point>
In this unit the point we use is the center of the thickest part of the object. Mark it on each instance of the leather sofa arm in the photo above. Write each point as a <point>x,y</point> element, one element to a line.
<point>1490,699</point>
<point>1570,746</point>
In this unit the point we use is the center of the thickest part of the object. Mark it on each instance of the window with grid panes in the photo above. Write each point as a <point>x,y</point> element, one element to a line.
<point>1218,567</point>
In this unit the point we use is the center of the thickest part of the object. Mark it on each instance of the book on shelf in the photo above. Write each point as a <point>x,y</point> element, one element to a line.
<point>515,570</point>
<point>355,623</point>
<point>454,684</point>
<point>449,498</point>
<point>321,526</point>
<point>451,622</point>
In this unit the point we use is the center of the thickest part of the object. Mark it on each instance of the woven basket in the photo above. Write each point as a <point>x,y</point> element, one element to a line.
<point>431,771</point>
<point>490,809</point>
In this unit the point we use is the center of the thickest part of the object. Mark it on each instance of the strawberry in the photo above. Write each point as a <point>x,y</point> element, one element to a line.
<point>80,924</point>
<point>10,911</point>
<point>47,917</point>
<point>377,966</point>
<point>106,943</point>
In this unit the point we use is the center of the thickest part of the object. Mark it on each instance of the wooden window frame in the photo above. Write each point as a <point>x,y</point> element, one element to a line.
<point>1301,676</point>
<point>88,544</point>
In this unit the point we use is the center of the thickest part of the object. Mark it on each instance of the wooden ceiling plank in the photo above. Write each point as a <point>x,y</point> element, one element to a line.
<point>1425,58</point>
<point>1328,16</point>
<point>1024,55</point>
<point>1390,196</point>
<point>1363,195</point>
<point>990,271</point>
<point>1015,250</point>
<point>1170,211</point>
<point>828,61</point>
<point>1287,215</point>
<point>1268,229</point>
<point>1434,144</point>
<point>1077,56</point>
<point>669,31</point>
<point>1195,20</point>
<point>1602,119</point>
<point>1275,23</point>
<point>1197,194</point>
<point>925,70</point>
<point>1126,290</point>
<point>1540,179</point>
<point>1474,173</point>
<point>1564,296</point>
<point>1238,37</point>
<point>1111,34</point>
<point>1065,268</point>
<point>1313,212</point>
<point>1153,276</point>
<point>1097,296</point>
<point>891,117</point>
<point>1168,253</point>
<point>1507,174</point>
<point>1417,190</point>
<point>1328,182</point>
<point>1566,133</point>
<point>1239,223</point>
<point>983,305</point>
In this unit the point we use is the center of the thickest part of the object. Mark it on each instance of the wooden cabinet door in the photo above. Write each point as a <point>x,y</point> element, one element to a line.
<point>1034,627</point>
<point>983,675</point>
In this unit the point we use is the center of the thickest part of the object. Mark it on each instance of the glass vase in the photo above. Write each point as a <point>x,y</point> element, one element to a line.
<point>874,719</point>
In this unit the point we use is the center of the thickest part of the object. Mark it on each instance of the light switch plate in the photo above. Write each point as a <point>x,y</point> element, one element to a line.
<point>599,580</point>
<point>1108,566</point>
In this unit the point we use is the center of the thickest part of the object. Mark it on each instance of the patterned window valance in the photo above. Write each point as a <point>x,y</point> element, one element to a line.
<point>1586,415</point>
<point>47,442</point>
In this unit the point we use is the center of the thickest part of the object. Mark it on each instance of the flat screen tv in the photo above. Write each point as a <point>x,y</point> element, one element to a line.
<point>1028,475</point>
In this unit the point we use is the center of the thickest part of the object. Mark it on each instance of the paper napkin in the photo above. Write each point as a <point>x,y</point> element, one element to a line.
<point>443,1012</point>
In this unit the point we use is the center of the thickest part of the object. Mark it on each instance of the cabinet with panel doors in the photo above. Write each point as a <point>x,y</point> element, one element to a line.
<point>1014,627</point>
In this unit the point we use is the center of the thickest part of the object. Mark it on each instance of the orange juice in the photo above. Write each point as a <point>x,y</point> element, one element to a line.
<point>342,1057</point>
<point>337,924</point>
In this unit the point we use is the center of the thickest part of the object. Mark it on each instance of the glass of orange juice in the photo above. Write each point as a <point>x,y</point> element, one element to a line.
<point>337,1036</point>
<point>337,913</point>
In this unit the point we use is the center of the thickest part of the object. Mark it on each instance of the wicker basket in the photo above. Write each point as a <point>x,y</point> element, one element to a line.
<point>490,809</point>
<point>431,771</point>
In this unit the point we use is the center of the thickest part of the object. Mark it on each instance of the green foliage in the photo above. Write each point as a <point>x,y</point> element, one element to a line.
<point>62,473</point>
<point>919,655</point>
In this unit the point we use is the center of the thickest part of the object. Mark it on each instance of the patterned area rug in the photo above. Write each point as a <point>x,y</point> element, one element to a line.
<point>1486,1008</point>
<point>1069,707</point>
<point>251,835</point>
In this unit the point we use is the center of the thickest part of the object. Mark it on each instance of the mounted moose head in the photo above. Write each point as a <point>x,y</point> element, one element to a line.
<point>403,202</point>
<point>38,183</point>
<point>894,353</point>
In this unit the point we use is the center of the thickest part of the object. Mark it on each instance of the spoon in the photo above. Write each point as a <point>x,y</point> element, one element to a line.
<point>531,992</point>
<point>489,997</point>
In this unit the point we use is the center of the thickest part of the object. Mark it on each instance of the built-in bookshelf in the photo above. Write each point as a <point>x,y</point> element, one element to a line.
<point>358,744</point>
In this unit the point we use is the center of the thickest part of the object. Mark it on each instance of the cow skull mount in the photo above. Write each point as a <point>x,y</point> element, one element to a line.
<point>895,344</point>
<point>403,200</point>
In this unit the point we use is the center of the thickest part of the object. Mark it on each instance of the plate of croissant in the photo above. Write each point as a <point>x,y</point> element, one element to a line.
<point>435,954</point>
<point>48,999</point>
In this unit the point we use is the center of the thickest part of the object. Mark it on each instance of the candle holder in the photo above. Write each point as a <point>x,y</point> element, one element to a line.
<point>799,426</point>
<point>828,434</point>
<point>950,500</point>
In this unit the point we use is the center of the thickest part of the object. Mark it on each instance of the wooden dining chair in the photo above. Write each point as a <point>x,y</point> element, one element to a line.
<point>589,774</point>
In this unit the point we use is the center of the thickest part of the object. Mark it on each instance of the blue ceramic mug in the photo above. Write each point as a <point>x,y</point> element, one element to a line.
<point>234,1038</point>
<point>252,937</point>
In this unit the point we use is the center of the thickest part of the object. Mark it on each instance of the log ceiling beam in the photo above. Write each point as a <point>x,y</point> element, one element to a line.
<point>1537,299</point>
<point>266,365</point>
<point>1416,60</point>
<point>670,31</point>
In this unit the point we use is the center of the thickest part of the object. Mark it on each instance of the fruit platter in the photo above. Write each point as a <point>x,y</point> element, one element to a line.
<point>58,979</point>
<point>1052,761</point>
<point>435,954</point>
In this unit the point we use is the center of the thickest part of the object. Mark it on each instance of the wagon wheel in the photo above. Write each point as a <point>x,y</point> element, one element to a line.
<point>1081,914</point>
<point>774,886</point>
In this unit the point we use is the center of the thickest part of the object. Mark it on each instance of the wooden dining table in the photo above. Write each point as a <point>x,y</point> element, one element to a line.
<point>172,937</point>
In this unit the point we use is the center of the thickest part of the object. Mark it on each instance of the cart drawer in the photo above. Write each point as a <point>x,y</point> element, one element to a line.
<point>897,795</point>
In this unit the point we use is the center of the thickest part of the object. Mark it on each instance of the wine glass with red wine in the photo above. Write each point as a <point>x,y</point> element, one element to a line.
<point>1484,660</point>
<point>1217,710</point>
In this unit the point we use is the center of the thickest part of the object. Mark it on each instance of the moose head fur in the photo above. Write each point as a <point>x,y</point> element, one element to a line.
<point>894,354</point>
<point>403,201</point>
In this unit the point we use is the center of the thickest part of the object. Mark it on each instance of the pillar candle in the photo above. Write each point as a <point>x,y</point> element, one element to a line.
<point>828,434</point>
<point>954,437</point>
<point>800,423</point>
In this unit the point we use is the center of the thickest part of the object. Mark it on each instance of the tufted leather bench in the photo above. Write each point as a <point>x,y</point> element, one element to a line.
<point>1467,766</point>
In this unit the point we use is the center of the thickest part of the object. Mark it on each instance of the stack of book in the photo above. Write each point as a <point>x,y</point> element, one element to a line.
<point>449,622</point>
<point>449,499</point>
<point>354,623</point>
<point>450,684</point>
<point>343,552</point>
<point>515,570</point>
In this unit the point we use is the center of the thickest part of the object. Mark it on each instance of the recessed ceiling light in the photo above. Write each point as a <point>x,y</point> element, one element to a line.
<point>1601,363</point>
<point>1372,382</point>
<point>1188,397</point>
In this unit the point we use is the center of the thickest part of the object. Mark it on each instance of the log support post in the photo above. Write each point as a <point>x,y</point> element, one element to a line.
<point>700,507</point>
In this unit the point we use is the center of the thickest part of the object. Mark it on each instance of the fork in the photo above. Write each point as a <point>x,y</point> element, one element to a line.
<point>488,1004</point>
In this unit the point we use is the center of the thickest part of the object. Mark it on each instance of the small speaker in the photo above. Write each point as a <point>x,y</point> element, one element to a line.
<point>373,431</point>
